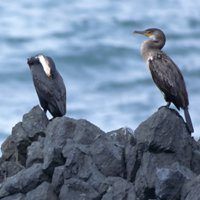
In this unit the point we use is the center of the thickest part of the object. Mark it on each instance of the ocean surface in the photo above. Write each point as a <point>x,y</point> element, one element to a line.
<point>94,49</point>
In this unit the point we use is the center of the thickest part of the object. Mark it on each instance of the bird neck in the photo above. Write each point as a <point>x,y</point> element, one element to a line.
<point>148,46</point>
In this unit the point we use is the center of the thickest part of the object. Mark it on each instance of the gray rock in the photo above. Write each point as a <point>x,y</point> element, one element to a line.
<point>77,190</point>
<point>195,163</point>
<point>166,132</point>
<point>190,190</point>
<point>23,181</point>
<point>108,156</point>
<point>119,189</point>
<point>123,136</point>
<point>168,184</point>
<point>186,172</point>
<point>77,162</point>
<point>43,192</point>
<point>18,196</point>
<point>74,159</point>
<point>59,130</point>
<point>161,140</point>
<point>133,157</point>
<point>15,146</point>
<point>86,132</point>
<point>35,123</point>
<point>58,178</point>
<point>35,152</point>
<point>97,180</point>
<point>8,169</point>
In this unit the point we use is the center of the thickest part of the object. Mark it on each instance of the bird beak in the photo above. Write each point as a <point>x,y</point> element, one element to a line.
<point>32,60</point>
<point>29,61</point>
<point>139,32</point>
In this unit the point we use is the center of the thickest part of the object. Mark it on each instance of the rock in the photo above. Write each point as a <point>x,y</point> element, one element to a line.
<point>119,189</point>
<point>190,190</point>
<point>108,156</point>
<point>162,140</point>
<point>58,178</point>
<point>123,136</point>
<point>77,189</point>
<point>70,159</point>
<point>86,132</point>
<point>168,184</point>
<point>35,123</point>
<point>23,181</point>
<point>195,163</point>
<point>75,161</point>
<point>8,169</point>
<point>35,152</point>
<point>18,196</point>
<point>15,146</point>
<point>58,131</point>
<point>166,132</point>
<point>43,192</point>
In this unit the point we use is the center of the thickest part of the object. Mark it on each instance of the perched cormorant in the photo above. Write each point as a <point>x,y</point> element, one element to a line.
<point>49,85</point>
<point>165,73</point>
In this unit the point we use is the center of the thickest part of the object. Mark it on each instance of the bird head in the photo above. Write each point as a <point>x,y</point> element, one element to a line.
<point>152,33</point>
<point>32,60</point>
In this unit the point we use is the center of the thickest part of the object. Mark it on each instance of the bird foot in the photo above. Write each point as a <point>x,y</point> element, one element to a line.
<point>166,106</point>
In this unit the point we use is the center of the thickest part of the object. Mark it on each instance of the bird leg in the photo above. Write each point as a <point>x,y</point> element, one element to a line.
<point>166,106</point>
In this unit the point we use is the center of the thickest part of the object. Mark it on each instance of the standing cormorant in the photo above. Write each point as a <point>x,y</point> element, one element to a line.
<point>49,85</point>
<point>165,73</point>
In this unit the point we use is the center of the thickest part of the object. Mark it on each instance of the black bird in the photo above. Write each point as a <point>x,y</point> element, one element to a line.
<point>49,85</point>
<point>165,73</point>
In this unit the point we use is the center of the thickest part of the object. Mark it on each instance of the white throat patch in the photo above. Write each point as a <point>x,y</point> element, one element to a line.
<point>45,65</point>
<point>153,37</point>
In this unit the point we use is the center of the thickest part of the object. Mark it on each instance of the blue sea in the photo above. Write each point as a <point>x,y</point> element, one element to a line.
<point>94,49</point>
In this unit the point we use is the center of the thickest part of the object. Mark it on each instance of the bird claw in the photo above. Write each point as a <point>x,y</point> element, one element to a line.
<point>166,106</point>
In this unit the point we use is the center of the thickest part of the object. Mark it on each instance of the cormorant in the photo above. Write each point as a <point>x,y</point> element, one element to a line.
<point>165,73</point>
<point>49,85</point>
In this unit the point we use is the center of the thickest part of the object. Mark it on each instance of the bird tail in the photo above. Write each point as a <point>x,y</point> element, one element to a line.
<point>188,120</point>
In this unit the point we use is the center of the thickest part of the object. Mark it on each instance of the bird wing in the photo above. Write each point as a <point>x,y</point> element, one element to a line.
<point>60,94</point>
<point>168,78</point>
<point>43,87</point>
<point>52,91</point>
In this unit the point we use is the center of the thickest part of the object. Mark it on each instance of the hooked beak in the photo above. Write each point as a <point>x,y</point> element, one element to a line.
<point>139,32</point>
<point>32,60</point>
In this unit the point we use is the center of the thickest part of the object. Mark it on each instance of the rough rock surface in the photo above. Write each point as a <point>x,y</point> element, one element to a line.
<point>70,159</point>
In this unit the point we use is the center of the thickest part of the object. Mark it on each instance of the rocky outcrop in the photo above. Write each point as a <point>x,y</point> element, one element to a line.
<point>70,159</point>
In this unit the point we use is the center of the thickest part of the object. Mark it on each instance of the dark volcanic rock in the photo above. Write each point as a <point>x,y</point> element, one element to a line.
<point>70,159</point>
<point>77,189</point>
<point>168,183</point>
<point>58,178</point>
<point>18,196</point>
<point>58,131</point>
<point>123,136</point>
<point>43,192</point>
<point>190,190</point>
<point>119,189</point>
<point>15,146</point>
<point>9,168</point>
<point>108,156</point>
<point>162,140</point>
<point>86,132</point>
<point>35,122</point>
<point>23,181</point>
<point>35,152</point>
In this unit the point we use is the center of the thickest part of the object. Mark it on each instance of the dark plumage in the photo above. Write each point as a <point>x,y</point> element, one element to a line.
<point>165,72</point>
<point>49,85</point>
